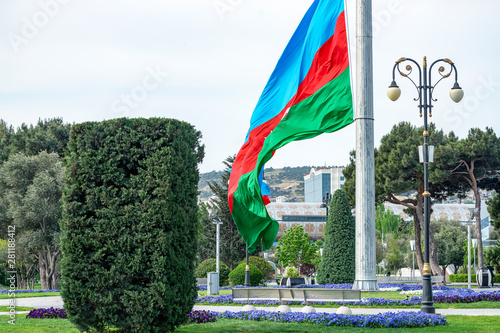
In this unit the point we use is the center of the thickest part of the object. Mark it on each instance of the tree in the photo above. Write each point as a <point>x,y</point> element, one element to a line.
<point>398,171</point>
<point>492,256</point>
<point>338,262</point>
<point>474,159</point>
<point>30,187</point>
<point>386,222</point>
<point>232,245</point>
<point>295,247</point>
<point>449,239</point>
<point>395,256</point>
<point>206,235</point>
<point>50,135</point>
<point>129,226</point>
<point>494,210</point>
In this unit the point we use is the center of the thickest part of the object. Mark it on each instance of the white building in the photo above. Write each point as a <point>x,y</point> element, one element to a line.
<point>320,181</point>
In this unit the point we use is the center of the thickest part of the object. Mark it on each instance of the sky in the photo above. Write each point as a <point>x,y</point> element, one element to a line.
<point>206,62</point>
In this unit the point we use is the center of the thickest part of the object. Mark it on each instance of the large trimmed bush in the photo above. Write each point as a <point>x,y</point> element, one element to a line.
<point>210,265</point>
<point>129,224</point>
<point>237,276</point>
<point>263,266</point>
<point>338,261</point>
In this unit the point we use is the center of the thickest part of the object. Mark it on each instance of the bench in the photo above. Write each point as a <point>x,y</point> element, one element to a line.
<point>284,295</point>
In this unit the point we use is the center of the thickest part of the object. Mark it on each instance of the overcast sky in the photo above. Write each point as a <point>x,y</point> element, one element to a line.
<point>207,61</point>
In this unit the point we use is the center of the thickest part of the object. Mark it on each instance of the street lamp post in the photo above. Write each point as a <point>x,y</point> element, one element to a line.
<point>326,202</point>
<point>216,220</point>
<point>473,212</point>
<point>412,247</point>
<point>425,90</point>
<point>474,244</point>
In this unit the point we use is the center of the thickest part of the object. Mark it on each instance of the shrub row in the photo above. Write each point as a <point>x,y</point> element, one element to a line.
<point>465,278</point>
<point>260,270</point>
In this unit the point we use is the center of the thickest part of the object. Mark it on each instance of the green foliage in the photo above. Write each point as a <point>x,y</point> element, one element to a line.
<point>465,278</point>
<point>210,265</point>
<point>338,262</point>
<point>462,278</point>
<point>232,246</point>
<point>30,196</point>
<point>206,235</point>
<point>49,135</point>
<point>494,210</point>
<point>295,247</point>
<point>492,256</point>
<point>386,222</point>
<point>237,275</point>
<point>449,238</point>
<point>129,224</point>
<point>395,255</point>
<point>292,272</point>
<point>263,266</point>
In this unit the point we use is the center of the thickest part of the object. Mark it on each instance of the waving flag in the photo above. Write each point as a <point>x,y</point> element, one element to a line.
<point>309,93</point>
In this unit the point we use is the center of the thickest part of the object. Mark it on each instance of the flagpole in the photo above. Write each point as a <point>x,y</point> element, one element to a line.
<point>366,275</point>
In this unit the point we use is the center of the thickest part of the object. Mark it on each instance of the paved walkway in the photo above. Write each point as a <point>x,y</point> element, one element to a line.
<point>444,312</point>
<point>57,302</point>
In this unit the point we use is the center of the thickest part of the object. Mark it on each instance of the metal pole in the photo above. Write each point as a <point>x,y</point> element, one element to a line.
<point>247,270</point>
<point>427,301</point>
<point>217,248</point>
<point>413,265</point>
<point>474,251</point>
<point>366,274</point>
<point>468,255</point>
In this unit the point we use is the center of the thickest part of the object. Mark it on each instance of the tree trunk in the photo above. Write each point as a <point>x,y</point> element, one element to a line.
<point>479,233</point>
<point>418,244</point>
<point>435,268</point>
<point>42,268</point>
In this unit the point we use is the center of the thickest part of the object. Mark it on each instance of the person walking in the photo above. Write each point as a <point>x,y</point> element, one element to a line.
<point>491,271</point>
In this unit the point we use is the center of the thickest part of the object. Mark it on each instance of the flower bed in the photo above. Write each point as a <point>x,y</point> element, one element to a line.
<point>442,294</point>
<point>29,291</point>
<point>201,317</point>
<point>387,320</point>
<point>47,313</point>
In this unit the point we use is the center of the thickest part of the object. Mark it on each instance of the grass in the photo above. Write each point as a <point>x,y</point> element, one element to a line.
<point>27,295</point>
<point>23,325</point>
<point>469,324</point>
<point>5,308</point>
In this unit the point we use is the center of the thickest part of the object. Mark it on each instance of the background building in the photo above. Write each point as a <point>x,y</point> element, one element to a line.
<point>319,181</point>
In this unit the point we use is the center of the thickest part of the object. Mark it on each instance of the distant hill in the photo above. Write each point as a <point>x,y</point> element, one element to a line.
<point>288,181</point>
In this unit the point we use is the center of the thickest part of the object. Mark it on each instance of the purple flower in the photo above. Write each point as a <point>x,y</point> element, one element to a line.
<point>200,317</point>
<point>47,313</point>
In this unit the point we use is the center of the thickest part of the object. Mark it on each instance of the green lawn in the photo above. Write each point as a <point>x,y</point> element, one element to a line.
<point>467,324</point>
<point>26,295</point>
<point>5,308</point>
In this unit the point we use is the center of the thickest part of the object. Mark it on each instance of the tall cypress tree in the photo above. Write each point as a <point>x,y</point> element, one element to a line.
<point>338,262</point>
<point>129,224</point>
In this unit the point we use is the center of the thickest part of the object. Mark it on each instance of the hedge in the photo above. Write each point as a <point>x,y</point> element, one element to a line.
<point>263,266</point>
<point>465,278</point>
<point>129,224</point>
<point>210,265</point>
<point>237,276</point>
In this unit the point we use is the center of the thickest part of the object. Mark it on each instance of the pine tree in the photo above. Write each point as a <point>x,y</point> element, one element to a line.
<point>232,246</point>
<point>206,235</point>
<point>338,262</point>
